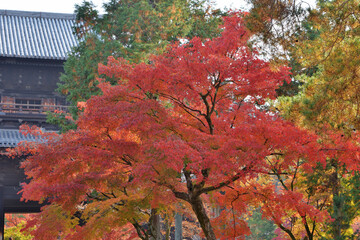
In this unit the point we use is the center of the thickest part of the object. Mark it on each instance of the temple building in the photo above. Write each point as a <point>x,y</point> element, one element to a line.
<point>33,48</point>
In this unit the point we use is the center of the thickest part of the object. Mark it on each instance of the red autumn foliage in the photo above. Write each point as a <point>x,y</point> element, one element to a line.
<point>12,220</point>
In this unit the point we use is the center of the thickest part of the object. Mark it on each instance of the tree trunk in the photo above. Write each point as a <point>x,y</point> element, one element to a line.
<point>198,208</point>
<point>337,205</point>
<point>155,225</point>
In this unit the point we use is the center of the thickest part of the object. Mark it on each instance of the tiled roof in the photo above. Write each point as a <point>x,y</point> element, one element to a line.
<point>10,138</point>
<point>36,34</point>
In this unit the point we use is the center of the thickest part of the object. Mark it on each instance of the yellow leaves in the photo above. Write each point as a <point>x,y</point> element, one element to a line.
<point>264,179</point>
<point>331,94</point>
<point>54,220</point>
<point>357,72</point>
<point>276,66</point>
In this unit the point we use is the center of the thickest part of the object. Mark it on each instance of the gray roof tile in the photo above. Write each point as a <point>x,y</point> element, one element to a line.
<point>36,34</point>
<point>11,138</point>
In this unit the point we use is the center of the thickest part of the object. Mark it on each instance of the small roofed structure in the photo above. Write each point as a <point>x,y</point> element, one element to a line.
<point>33,48</point>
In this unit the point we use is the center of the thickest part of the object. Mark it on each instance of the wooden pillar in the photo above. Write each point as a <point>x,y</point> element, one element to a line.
<point>178,226</point>
<point>2,212</point>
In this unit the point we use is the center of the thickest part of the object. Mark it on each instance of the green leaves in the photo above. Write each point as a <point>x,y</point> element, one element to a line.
<point>133,30</point>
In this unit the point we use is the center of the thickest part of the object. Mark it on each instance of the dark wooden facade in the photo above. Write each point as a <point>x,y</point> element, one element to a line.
<point>12,177</point>
<point>33,48</point>
<point>27,90</point>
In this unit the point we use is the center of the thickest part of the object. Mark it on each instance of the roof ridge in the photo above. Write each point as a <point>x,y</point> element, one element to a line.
<point>36,34</point>
<point>69,16</point>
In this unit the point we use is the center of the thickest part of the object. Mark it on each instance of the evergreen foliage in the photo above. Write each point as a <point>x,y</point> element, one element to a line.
<point>131,29</point>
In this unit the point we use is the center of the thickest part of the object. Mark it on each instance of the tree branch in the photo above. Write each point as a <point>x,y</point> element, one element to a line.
<point>140,230</point>
<point>220,185</point>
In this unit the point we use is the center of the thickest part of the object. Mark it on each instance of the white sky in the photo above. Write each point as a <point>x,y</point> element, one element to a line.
<point>67,6</point>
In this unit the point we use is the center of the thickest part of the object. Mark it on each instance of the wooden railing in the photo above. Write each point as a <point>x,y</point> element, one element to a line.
<point>30,108</point>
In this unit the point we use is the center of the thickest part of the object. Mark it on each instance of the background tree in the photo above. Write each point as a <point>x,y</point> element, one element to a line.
<point>278,26</point>
<point>322,45</point>
<point>260,228</point>
<point>329,100</point>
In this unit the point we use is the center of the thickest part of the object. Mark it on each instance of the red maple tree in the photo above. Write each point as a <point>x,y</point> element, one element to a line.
<point>187,127</point>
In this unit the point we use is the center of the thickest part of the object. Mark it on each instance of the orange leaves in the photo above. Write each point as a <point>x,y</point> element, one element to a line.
<point>51,221</point>
<point>197,67</point>
<point>81,105</point>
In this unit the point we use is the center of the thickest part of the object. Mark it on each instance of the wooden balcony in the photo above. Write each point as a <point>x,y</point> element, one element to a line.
<point>16,108</point>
